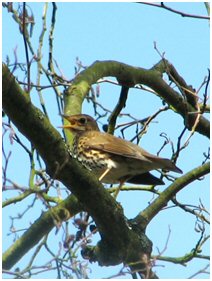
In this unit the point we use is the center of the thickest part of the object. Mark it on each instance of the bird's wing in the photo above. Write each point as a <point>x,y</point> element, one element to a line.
<point>111,144</point>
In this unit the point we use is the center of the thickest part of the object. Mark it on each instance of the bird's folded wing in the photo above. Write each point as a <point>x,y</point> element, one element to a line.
<point>116,146</point>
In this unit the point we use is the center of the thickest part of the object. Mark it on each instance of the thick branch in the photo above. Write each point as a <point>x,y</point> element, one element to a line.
<point>130,76</point>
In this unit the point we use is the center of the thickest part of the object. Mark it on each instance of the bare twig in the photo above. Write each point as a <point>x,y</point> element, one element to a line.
<point>163,6</point>
<point>201,271</point>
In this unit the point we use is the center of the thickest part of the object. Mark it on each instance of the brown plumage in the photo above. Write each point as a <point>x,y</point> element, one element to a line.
<point>113,160</point>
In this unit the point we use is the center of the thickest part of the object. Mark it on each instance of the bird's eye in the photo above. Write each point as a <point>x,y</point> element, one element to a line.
<point>83,121</point>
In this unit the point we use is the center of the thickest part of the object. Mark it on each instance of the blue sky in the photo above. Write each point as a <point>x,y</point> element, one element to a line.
<point>126,32</point>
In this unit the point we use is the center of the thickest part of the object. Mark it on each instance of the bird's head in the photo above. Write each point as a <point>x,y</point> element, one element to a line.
<point>80,122</point>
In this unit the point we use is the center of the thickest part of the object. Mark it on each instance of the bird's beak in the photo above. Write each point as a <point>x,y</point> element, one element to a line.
<point>66,126</point>
<point>72,125</point>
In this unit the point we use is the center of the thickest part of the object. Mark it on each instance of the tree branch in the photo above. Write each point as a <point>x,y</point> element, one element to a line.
<point>42,226</point>
<point>130,76</point>
<point>120,105</point>
<point>152,210</point>
<point>163,6</point>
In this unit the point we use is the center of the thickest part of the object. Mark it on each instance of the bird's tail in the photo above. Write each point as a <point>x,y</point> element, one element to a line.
<point>163,163</point>
<point>169,165</point>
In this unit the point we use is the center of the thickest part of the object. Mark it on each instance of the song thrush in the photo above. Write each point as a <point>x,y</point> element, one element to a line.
<point>112,159</point>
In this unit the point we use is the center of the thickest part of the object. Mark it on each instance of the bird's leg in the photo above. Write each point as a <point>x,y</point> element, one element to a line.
<point>118,188</point>
<point>105,173</point>
<point>120,185</point>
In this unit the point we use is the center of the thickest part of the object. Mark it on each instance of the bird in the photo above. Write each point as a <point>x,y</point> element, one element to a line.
<point>112,159</point>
